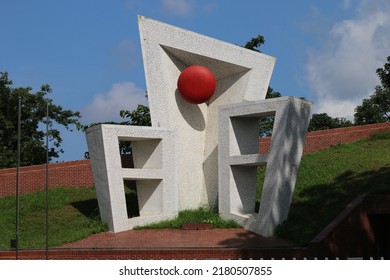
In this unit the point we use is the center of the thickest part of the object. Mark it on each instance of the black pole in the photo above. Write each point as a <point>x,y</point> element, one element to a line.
<point>47,183</point>
<point>18,179</point>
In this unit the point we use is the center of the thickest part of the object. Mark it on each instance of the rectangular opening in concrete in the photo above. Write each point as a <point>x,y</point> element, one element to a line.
<point>266,125</point>
<point>243,195</point>
<point>143,197</point>
<point>245,132</point>
<point>125,148</point>
<point>131,197</point>
<point>244,138</point>
<point>259,186</point>
<point>150,193</point>
<point>141,153</point>
<point>127,161</point>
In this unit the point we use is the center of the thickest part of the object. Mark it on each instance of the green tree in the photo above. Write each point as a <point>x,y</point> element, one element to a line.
<point>323,121</point>
<point>384,74</point>
<point>33,115</point>
<point>376,109</point>
<point>266,123</point>
<point>255,43</point>
<point>139,116</point>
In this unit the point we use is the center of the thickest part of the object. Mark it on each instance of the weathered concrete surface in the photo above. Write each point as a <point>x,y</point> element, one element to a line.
<point>154,155</point>
<point>242,75</point>
<point>238,158</point>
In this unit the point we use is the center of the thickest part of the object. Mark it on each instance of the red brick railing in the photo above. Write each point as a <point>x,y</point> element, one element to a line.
<point>79,174</point>
<point>33,178</point>
<point>323,139</point>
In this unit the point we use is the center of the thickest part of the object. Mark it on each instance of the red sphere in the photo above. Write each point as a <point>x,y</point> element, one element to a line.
<point>196,84</point>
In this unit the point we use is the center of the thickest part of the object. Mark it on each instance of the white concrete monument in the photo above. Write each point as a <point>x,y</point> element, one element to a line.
<point>241,75</point>
<point>154,172</point>
<point>188,77</point>
<point>238,159</point>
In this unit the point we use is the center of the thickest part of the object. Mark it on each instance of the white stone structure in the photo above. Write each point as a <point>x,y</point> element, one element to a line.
<point>177,161</point>
<point>154,172</point>
<point>241,74</point>
<point>238,159</point>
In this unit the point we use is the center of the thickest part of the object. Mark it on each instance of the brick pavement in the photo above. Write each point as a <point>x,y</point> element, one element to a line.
<point>176,238</point>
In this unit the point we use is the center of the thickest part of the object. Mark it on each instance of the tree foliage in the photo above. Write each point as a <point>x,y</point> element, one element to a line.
<point>33,115</point>
<point>323,121</point>
<point>376,109</point>
<point>140,116</point>
<point>384,74</point>
<point>267,123</point>
<point>255,43</point>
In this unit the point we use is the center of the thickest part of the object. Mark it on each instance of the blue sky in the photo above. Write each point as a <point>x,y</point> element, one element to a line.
<point>89,51</point>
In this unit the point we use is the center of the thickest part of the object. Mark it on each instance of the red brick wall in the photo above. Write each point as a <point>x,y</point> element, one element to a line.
<point>157,254</point>
<point>33,178</point>
<point>79,174</point>
<point>323,139</point>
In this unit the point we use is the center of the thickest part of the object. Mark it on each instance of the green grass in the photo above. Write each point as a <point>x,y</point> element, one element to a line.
<point>73,215</point>
<point>328,180</point>
<point>202,214</point>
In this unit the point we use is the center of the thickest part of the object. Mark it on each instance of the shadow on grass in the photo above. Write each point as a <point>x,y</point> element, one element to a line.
<point>316,206</point>
<point>90,208</point>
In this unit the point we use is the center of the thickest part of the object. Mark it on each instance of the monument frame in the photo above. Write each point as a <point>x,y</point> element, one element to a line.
<point>238,159</point>
<point>201,154</point>
<point>153,151</point>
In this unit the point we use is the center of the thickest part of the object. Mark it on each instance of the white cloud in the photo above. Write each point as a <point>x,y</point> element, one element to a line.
<point>178,7</point>
<point>337,108</point>
<point>342,72</point>
<point>106,106</point>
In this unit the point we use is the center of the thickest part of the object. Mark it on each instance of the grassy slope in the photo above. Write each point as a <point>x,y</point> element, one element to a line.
<point>73,214</point>
<point>327,181</point>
